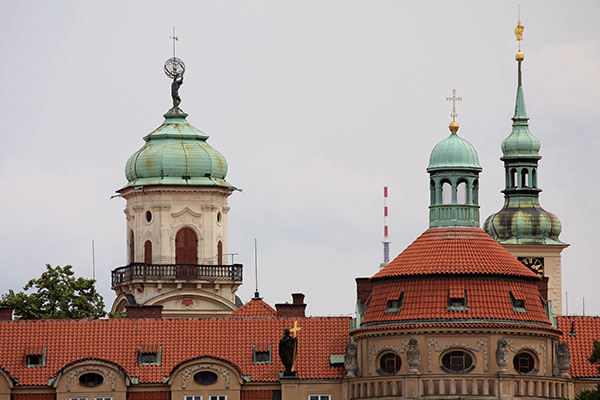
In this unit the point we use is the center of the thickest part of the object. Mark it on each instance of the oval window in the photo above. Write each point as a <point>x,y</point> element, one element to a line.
<point>390,363</point>
<point>205,378</point>
<point>148,216</point>
<point>524,363</point>
<point>91,379</point>
<point>219,217</point>
<point>457,361</point>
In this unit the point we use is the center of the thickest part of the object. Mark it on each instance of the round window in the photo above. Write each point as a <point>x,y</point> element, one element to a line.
<point>390,363</point>
<point>148,216</point>
<point>205,378</point>
<point>219,217</point>
<point>524,363</point>
<point>91,379</point>
<point>457,361</point>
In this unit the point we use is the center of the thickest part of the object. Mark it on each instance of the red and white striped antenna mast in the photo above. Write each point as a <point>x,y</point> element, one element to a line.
<point>386,239</point>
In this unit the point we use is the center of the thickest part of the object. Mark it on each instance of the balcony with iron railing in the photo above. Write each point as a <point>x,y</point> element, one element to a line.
<point>140,272</point>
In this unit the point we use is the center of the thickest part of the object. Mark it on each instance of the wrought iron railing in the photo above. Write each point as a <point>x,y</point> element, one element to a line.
<point>176,272</point>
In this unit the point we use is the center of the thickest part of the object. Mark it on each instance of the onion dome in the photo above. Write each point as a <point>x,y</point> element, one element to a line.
<point>176,153</point>
<point>453,152</point>
<point>522,220</point>
<point>455,275</point>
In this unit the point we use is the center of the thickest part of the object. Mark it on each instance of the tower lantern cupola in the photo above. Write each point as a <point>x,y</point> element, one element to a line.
<point>454,179</point>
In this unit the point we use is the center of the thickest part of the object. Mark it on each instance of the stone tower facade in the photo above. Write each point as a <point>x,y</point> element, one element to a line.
<point>177,226</point>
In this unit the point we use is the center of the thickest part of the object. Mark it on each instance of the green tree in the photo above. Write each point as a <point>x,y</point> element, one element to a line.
<point>57,293</point>
<point>589,394</point>
<point>595,356</point>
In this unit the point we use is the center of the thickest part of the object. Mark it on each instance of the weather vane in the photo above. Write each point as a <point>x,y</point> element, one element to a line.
<point>174,68</point>
<point>519,34</point>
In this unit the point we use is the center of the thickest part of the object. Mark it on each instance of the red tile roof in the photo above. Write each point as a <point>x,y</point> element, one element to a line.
<point>454,325</point>
<point>117,341</point>
<point>253,309</point>
<point>427,299</point>
<point>454,250</point>
<point>579,333</point>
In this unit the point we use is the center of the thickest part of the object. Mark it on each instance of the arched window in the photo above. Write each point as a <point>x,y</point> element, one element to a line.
<point>186,247</point>
<point>432,192</point>
<point>524,363</point>
<point>533,178</point>
<point>513,178</point>
<point>446,192</point>
<point>219,253</point>
<point>457,361</point>
<point>131,247</point>
<point>525,178</point>
<point>148,252</point>
<point>461,193</point>
<point>476,192</point>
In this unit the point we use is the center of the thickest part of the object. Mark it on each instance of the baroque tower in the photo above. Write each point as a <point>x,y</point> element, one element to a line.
<point>176,212</point>
<point>522,226</point>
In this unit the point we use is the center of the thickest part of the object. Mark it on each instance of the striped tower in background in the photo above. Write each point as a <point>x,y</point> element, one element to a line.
<point>386,240</point>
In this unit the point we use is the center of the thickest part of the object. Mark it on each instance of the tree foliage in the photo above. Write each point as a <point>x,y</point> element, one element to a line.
<point>595,356</point>
<point>57,293</point>
<point>589,394</point>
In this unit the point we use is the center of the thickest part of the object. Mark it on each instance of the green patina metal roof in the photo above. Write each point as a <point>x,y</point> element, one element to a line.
<point>176,153</point>
<point>522,220</point>
<point>453,152</point>
<point>520,143</point>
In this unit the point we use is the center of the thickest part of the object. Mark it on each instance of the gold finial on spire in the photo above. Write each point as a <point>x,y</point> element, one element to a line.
<point>453,125</point>
<point>519,34</point>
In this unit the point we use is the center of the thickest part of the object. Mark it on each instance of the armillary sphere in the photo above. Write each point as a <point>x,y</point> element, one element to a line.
<point>174,67</point>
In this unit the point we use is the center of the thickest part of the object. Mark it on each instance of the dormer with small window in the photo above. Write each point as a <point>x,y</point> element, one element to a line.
<point>394,303</point>
<point>35,356</point>
<point>457,298</point>
<point>517,300</point>
<point>261,353</point>
<point>149,354</point>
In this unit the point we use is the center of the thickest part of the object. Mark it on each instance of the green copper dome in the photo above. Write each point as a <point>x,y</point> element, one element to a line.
<point>176,153</point>
<point>453,152</point>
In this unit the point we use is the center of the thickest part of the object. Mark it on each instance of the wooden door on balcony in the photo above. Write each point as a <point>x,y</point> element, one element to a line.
<point>186,247</point>
<point>148,252</point>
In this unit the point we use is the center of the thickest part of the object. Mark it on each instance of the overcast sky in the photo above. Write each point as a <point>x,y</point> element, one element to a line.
<point>316,105</point>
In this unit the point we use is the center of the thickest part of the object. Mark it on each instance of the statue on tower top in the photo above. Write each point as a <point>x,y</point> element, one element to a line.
<point>174,69</point>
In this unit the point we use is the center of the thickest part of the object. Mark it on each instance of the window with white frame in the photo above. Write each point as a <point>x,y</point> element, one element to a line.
<point>77,398</point>
<point>196,397</point>
<point>218,397</point>
<point>319,397</point>
<point>102,398</point>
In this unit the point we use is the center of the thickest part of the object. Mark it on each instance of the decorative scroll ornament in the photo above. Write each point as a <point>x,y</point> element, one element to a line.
<point>373,352</point>
<point>540,352</point>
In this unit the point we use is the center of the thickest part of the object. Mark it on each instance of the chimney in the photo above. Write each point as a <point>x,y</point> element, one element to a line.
<point>363,289</point>
<point>139,311</point>
<point>543,288</point>
<point>296,309</point>
<point>6,313</point>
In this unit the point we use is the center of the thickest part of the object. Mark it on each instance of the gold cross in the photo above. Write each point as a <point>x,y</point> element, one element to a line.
<point>454,99</point>
<point>175,38</point>
<point>294,331</point>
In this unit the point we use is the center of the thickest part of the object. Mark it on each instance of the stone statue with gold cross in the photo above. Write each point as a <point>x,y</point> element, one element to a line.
<point>288,350</point>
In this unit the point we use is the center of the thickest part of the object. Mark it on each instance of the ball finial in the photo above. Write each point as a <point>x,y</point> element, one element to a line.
<point>453,126</point>
<point>519,56</point>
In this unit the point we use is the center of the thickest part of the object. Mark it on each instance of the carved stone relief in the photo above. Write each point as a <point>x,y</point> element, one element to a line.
<point>187,373</point>
<point>540,352</point>
<point>374,352</point>
<point>413,356</point>
<point>481,344</point>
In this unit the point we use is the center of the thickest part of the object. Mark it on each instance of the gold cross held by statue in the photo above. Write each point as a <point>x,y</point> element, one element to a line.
<point>454,99</point>
<point>294,331</point>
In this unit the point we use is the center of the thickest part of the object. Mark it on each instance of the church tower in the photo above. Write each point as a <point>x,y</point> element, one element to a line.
<point>176,212</point>
<point>522,226</point>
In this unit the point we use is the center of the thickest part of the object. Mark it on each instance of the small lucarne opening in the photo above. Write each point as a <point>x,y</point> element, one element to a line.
<point>205,378</point>
<point>91,379</point>
<point>395,305</point>
<point>148,216</point>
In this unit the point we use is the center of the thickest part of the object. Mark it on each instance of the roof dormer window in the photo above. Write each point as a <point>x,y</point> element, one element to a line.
<point>35,356</point>
<point>517,300</point>
<point>149,354</point>
<point>457,297</point>
<point>394,303</point>
<point>261,353</point>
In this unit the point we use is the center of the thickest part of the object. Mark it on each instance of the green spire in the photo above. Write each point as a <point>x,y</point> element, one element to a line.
<point>522,220</point>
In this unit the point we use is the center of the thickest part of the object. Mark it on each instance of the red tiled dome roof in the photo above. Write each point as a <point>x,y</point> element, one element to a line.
<point>425,299</point>
<point>455,250</point>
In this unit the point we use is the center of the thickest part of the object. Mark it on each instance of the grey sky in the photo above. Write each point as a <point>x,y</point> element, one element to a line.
<point>316,106</point>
